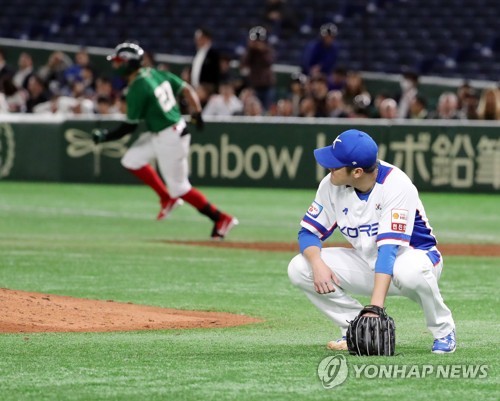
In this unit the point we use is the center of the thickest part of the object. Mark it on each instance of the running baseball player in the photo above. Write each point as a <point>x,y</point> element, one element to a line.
<point>377,209</point>
<point>151,96</point>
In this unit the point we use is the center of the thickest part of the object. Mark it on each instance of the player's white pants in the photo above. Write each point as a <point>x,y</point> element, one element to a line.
<point>171,152</point>
<point>414,276</point>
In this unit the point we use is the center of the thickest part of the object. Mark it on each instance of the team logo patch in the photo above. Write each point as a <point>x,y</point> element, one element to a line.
<point>314,210</point>
<point>399,218</point>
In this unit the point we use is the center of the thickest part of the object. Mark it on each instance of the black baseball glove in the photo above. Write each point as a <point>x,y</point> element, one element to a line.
<point>99,135</point>
<point>368,335</point>
<point>197,119</point>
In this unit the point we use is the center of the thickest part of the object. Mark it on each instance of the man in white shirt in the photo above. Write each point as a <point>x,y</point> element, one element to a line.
<point>224,104</point>
<point>205,69</point>
<point>25,70</point>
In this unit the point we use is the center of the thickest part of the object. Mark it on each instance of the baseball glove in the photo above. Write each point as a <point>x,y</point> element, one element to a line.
<point>367,335</point>
<point>197,119</point>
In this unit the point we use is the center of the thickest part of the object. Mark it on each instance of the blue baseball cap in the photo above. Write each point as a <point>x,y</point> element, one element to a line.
<point>352,148</point>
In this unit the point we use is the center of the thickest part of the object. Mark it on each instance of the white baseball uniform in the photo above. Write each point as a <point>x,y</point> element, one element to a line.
<point>392,214</point>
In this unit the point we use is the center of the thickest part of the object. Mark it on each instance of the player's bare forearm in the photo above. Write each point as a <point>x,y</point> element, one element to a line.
<point>380,288</point>
<point>192,98</point>
<point>323,276</point>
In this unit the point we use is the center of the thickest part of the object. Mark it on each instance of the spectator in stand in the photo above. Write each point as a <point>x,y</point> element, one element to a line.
<point>4,106</point>
<point>447,108</point>
<point>245,94</point>
<point>307,107</point>
<point>489,104</point>
<point>224,104</point>
<point>5,69</point>
<point>298,84</point>
<point>205,68</point>
<point>409,89</point>
<point>355,87</point>
<point>252,106</point>
<point>150,61</point>
<point>388,109</point>
<point>66,106</point>
<point>24,70</point>
<point>79,90</point>
<point>104,87</point>
<point>226,73</point>
<point>320,55</point>
<point>15,97</point>
<point>280,18</point>
<point>284,108</point>
<point>361,106</point>
<point>418,108</point>
<point>74,71</point>
<point>105,106</point>
<point>462,90</point>
<point>335,104</point>
<point>121,104</point>
<point>52,73</point>
<point>256,66</point>
<point>74,103</point>
<point>468,101</point>
<point>375,105</point>
<point>319,92</point>
<point>37,93</point>
<point>337,80</point>
<point>88,81</point>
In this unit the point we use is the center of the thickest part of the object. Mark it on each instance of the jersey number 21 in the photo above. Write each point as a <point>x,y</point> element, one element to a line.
<point>165,96</point>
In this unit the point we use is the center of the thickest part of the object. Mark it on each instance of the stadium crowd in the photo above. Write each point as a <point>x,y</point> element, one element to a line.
<point>70,87</point>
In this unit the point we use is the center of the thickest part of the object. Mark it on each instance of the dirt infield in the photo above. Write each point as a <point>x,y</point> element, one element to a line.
<point>31,312</point>
<point>491,250</point>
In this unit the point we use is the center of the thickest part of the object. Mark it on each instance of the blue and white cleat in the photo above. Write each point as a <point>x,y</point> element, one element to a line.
<point>445,345</point>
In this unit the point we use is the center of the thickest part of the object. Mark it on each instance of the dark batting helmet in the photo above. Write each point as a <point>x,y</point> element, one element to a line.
<point>129,55</point>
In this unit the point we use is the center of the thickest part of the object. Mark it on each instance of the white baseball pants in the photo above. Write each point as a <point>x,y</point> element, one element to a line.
<point>414,276</point>
<point>171,152</point>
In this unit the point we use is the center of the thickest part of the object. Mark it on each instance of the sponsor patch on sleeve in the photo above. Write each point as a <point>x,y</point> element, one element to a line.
<point>315,209</point>
<point>399,218</point>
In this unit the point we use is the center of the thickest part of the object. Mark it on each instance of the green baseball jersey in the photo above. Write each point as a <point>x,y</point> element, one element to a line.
<point>151,97</point>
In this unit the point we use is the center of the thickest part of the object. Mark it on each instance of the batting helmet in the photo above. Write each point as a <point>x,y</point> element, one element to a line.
<point>130,55</point>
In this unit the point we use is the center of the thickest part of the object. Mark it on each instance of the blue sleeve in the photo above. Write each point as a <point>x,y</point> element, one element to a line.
<point>307,239</point>
<point>386,258</point>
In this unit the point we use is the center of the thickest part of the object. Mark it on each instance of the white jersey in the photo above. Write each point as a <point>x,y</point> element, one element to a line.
<point>392,214</point>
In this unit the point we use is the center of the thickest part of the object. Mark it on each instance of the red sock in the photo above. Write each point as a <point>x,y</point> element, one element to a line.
<point>150,177</point>
<point>200,202</point>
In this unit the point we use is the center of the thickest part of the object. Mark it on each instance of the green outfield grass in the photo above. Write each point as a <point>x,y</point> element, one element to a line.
<point>102,242</point>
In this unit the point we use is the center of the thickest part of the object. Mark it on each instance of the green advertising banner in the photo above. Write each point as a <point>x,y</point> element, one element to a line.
<point>30,151</point>
<point>83,161</point>
<point>242,152</point>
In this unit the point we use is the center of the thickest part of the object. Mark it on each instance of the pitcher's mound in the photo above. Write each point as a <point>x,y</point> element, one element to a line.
<point>31,312</point>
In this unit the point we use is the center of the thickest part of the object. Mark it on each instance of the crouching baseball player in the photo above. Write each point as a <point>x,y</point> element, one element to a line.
<point>377,209</point>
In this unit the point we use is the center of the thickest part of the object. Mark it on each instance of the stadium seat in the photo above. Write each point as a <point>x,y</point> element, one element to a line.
<point>437,36</point>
